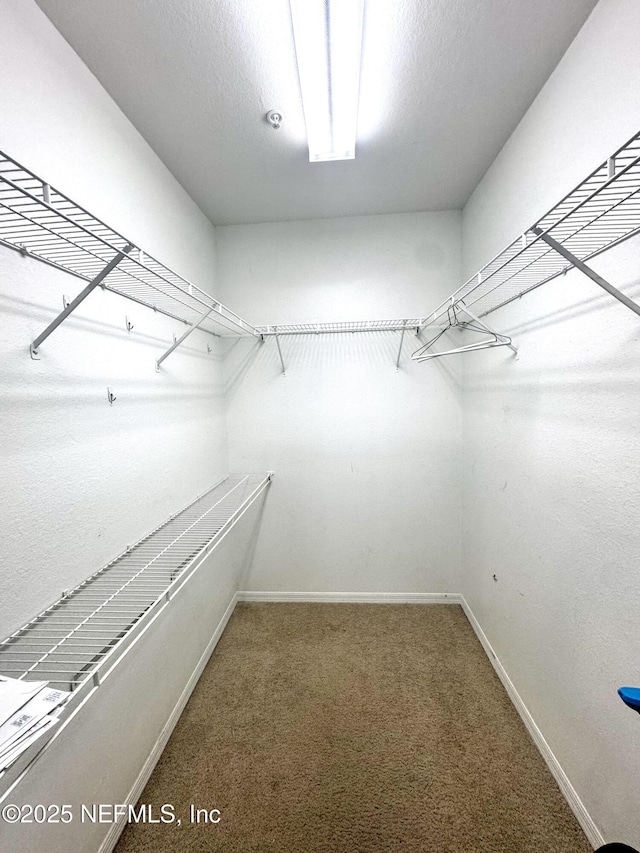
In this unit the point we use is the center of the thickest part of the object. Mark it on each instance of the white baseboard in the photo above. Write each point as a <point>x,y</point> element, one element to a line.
<point>353,597</point>
<point>570,794</point>
<point>116,829</point>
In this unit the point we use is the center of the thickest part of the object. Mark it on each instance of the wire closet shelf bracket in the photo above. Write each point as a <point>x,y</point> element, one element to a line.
<point>601,212</point>
<point>41,222</point>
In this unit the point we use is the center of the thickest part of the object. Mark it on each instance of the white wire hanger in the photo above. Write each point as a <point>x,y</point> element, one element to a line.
<point>474,324</point>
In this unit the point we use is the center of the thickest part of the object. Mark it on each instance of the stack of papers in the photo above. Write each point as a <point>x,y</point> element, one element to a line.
<point>26,714</point>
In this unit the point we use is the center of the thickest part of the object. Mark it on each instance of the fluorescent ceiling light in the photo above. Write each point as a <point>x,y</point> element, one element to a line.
<point>328,38</point>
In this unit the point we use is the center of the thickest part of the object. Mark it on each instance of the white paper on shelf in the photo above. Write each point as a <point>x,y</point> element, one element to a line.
<point>36,731</point>
<point>15,693</point>
<point>41,705</point>
<point>24,733</point>
<point>15,745</point>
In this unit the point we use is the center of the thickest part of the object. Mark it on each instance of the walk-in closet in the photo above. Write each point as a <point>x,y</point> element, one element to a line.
<point>320,379</point>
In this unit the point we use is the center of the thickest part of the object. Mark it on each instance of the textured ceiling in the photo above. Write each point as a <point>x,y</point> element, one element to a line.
<point>444,83</point>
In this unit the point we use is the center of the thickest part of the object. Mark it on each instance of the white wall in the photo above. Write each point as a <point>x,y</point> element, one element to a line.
<point>98,756</point>
<point>82,479</point>
<point>589,107</point>
<point>60,123</point>
<point>552,477</point>
<point>367,491</point>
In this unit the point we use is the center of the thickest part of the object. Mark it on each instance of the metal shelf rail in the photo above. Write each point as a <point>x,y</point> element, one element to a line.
<point>341,328</point>
<point>75,642</point>
<point>416,324</point>
<point>599,213</point>
<point>41,222</point>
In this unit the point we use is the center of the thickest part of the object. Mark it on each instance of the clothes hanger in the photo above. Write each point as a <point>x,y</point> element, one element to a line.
<point>473,324</point>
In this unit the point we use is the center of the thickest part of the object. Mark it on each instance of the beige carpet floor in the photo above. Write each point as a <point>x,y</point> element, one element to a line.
<point>353,729</point>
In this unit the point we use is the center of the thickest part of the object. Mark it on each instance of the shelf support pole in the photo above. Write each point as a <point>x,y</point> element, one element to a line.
<point>404,328</point>
<point>284,373</point>
<point>182,337</point>
<point>580,265</point>
<point>71,307</point>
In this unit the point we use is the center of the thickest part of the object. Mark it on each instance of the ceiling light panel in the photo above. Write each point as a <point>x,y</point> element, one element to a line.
<point>328,39</point>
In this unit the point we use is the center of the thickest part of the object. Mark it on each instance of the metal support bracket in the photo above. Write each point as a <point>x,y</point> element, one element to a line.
<point>35,346</point>
<point>176,343</point>
<point>580,265</point>
<point>284,373</point>
<point>400,347</point>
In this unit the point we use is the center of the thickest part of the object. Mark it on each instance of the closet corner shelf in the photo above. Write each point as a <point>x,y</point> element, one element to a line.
<point>39,221</point>
<point>601,212</point>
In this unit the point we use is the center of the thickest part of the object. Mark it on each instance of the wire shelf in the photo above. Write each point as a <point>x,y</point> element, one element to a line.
<point>349,326</point>
<point>69,642</point>
<point>599,213</point>
<point>41,222</point>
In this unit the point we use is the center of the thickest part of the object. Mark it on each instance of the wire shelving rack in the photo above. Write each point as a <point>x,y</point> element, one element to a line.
<point>602,211</point>
<point>353,326</point>
<point>79,636</point>
<point>42,222</point>
<point>415,324</point>
<point>77,642</point>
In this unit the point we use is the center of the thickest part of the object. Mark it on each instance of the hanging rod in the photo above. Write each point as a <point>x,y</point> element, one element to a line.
<point>601,212</point>
<point>39,221</point>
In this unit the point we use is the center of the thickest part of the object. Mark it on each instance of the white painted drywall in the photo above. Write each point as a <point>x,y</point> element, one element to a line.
<point>82,479</point>
<point>589,107</point>
<point>60,123</point>
<point>98,756</point>
<point>366,494</point>
<point>552,477</point>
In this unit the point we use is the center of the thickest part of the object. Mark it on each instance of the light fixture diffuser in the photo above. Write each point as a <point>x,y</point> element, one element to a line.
<point>328,39</point>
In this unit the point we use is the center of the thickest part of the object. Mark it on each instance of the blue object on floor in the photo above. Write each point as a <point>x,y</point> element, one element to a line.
<point>630,696</point>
